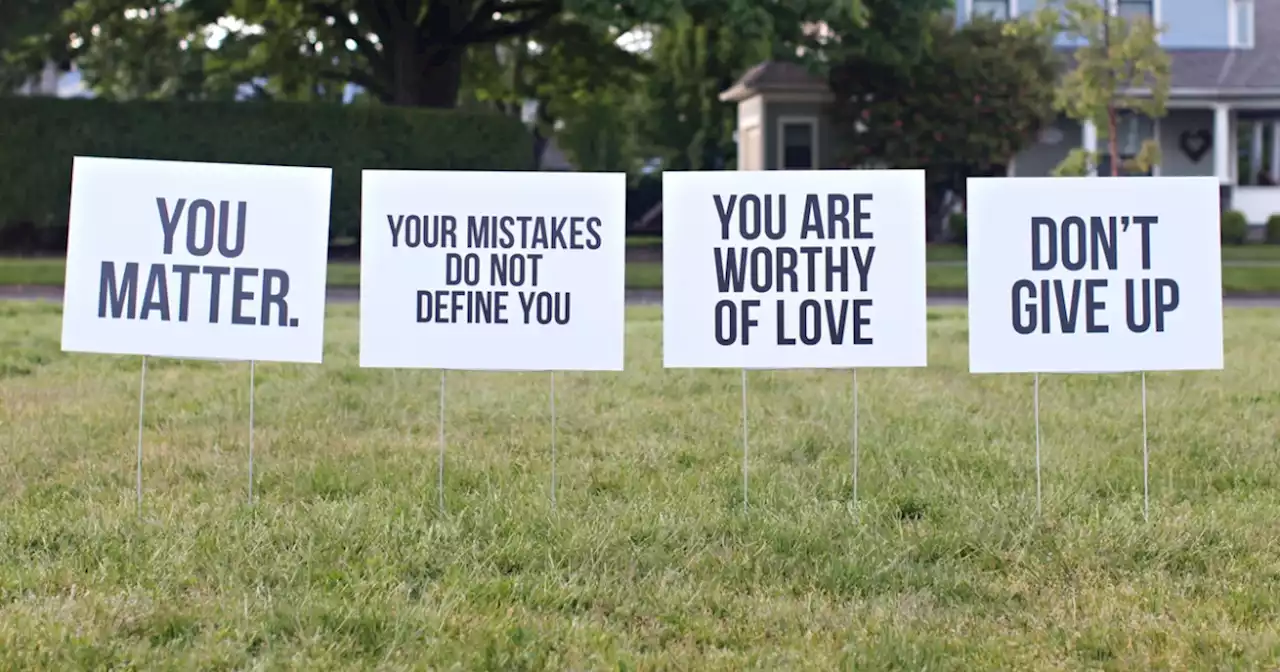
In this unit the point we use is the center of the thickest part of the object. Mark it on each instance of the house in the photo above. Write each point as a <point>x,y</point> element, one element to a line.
<point>53,81</point>
<point>1223,114</point>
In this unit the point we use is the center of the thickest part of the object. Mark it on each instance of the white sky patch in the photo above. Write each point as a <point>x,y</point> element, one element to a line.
<point>215,33</point>
<point>636,40</point>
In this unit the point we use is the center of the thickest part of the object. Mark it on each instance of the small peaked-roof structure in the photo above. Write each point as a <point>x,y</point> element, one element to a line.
<point>775,77</point>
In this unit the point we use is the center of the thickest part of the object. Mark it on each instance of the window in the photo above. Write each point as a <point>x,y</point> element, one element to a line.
<point>1132,130</point>
<point>798,144</point>
<point>1255,152</point>
<point>1240,24</point>
<point>1132,9</point>
<point>996,9</point>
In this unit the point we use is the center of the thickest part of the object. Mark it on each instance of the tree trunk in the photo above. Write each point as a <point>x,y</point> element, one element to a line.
<point>1113,146</point>
<point>433,81</point>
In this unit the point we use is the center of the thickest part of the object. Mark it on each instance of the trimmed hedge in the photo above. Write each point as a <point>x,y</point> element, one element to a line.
<point>39,137</point>
<point>1235,228</point>
<point>1273,229</point>
<point>958,226</point>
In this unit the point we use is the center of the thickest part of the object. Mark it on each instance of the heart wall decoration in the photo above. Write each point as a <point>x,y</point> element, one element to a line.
<point>1195,144</point>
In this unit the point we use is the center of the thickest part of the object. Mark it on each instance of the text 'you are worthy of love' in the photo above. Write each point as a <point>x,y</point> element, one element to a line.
<point>835,255</point>
<point>493,258</point>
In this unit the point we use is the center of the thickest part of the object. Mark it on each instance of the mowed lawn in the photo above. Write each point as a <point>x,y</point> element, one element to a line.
<point>1247,269</point>
<point>648,561</point>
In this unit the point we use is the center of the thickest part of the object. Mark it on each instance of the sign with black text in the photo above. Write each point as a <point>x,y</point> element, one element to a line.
<point>1094,274</point>
<point>200,260</point>
<point>794,269</point>
<point>493,270</point>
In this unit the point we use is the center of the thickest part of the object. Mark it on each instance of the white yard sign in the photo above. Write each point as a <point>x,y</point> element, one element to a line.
<point>794,269</point>
<point>199,260</point>
<point>487,270</point>
<point>1094,274</point>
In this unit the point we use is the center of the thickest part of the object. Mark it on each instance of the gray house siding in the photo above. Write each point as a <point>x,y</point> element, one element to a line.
<point>1174,161</point>
<point>1040,159</point>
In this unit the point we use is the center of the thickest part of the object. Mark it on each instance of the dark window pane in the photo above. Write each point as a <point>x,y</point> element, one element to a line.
<point>797,145</point>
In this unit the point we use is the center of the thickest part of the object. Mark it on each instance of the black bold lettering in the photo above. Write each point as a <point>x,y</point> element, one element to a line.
<point>275,287</point>
<point>1165,303</point>
<point>860,216</point>
<point>224,229</point>
<point>396,224</point>
<point>731,269</point>
<point>121,295</point>
<point>838,213</point>
<point>812,223</point>
<point>1068,225</point>
<point>169,221</point>
<point>184,288</point>
<point>1024,316</point>
<point>725,210</point>
<point>859,321</point>
<point>1042,258</point>
<point>1093,306</point>
<point>215,273</point>
<point>239,295</point>
<point>204,247</point>
<point>726,321</point>
<point>157,295</point>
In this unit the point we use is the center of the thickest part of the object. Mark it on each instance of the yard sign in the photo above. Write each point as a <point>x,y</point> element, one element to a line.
<point>199,260</point>
<point>1094,274</point>
<point>493,270</point>
<point>794,269</point>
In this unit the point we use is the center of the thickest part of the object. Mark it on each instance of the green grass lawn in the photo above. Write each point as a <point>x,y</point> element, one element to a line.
<point>649,561</point>
<point>1230,253</point>
<point>946,273</point>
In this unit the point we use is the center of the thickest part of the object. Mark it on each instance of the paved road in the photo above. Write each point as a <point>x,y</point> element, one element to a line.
<point>635,297</point>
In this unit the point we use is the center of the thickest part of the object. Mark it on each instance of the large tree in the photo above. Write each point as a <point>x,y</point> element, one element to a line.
<point>976,96</point>
<point>403,52</point>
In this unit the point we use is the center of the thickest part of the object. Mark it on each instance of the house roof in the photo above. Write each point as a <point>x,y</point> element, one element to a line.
<point>774,77</point>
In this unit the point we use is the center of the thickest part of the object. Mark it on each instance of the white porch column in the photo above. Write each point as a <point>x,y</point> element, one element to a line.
<point>1255,160</point>
<point>1222,142</point>
<point>1089,142</point>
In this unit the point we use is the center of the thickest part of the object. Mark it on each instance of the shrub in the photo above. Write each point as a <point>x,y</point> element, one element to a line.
<point>1234,227</point>
<point>1273,229</point>
<point>39,137</point>
<point>958,226</point>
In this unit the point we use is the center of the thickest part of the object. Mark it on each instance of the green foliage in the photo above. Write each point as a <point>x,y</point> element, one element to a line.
<point>586,87</point>
<point>1235,227</point>
<point>403,53</point>
<point>973,99</point>
<point>40,137</point>
<point>976,98</point>
<point>1120,66</point>
<point>1273,229</point>
<point>958,227</point>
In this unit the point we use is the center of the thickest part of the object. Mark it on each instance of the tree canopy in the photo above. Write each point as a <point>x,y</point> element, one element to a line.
<point>975,97</point>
